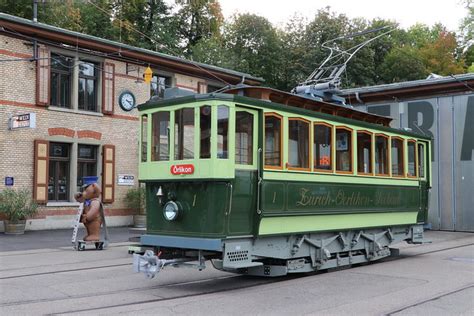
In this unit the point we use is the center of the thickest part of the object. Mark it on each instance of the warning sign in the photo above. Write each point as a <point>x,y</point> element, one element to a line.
<point>148,74</point>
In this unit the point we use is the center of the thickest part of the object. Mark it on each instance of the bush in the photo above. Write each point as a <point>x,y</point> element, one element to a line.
<point>17,204</point>
<point>135,199</point>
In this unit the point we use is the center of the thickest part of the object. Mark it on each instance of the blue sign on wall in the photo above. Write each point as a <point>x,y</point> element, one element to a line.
<point>9,181</point>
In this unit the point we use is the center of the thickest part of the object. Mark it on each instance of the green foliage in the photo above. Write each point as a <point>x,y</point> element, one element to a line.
<point>471,68</point>
<point>249,43</point>
<point>440,55</point>
<point>135,199</point>
<point>17,204</point>
<point>403,64</point>
<point>198,20</point>
<point>255,46</point>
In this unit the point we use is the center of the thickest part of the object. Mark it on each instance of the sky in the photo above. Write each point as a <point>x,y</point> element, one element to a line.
<point>405,12</point>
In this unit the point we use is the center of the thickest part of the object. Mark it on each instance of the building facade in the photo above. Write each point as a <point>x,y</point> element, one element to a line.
<point>67,111</point>
<point>442,108</point>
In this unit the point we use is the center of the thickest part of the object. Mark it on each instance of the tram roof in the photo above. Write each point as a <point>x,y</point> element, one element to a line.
<point>293,100</point>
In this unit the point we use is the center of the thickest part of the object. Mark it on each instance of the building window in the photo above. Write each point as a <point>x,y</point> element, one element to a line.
<point>58,183</point>
<point>86,163</point>
<point>343,149</point>
<point>88,75</point>
<point>144,137</point>
<point>273,134</point>
<point>60,81</point>
<point>205,119</point>
<point>158,85</point>
<point>211,88</point>
<point>244,138</point>
<point>161,132</point>
<point>411,148</point>
<point>397,157</point>
<point>322,147</point>
<point>421,160</point>
<point>184,134</point>
<point>364,152</point>
<point>298,144</point>
<point>381,155</point>
<point>222,132</point>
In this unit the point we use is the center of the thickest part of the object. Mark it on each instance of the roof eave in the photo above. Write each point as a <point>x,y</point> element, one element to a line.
<point>90,42</point>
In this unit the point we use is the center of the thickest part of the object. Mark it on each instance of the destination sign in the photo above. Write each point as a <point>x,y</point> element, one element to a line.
<point>182,169</point>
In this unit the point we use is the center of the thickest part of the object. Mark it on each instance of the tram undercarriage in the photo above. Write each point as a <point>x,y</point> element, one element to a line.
<point>280,255</point>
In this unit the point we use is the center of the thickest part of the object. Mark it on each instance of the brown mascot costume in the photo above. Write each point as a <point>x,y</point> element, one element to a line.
<point>91,217</point>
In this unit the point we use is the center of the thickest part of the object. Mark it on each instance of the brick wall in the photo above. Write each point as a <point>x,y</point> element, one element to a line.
<point>17,96</point>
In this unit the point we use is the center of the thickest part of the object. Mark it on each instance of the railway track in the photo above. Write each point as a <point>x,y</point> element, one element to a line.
<point>206,286</point>
<point>437,297</point>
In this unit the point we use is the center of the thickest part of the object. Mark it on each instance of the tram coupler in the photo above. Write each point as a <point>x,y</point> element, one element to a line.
<point>150,264</point>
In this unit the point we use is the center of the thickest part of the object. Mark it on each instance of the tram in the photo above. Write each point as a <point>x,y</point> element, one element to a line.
<point>264,182</point>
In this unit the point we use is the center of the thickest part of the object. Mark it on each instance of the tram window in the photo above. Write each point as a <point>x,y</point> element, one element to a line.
<point>243,138</point>
<point>144,137</point>
<point>205,127</point>
<point>364,152</point>
<point>397,156</point>
<point>184,134</point>
<point>298,144</point>
<point>272,141</point>
<point>322,149</point>
<point>343,150</point>
<point>223,132</point>
<point>161,129</point>
<point>411,158</point>
<point>381,155</point>
<point>421,160</point>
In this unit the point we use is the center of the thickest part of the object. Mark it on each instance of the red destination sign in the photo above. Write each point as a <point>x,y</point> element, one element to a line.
<point>182,169</point>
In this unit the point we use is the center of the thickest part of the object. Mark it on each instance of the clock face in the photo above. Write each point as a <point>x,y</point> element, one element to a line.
<point>127,101</point>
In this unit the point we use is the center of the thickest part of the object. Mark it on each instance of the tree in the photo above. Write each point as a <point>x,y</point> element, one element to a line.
<point>21,8</point>
<point>197,20</point>
<point>440,56</point>
<point>403,64</point>
<point>255,47</point>
<point>213,51</point>
<point>467,35</point>
<point>293,66</point>
<point>146,24</point>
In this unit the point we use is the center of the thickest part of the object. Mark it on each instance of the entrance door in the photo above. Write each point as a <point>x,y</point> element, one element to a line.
<point>244,201</point>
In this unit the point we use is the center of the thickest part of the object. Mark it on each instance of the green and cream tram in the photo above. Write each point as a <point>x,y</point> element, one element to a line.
<point>264,182</point>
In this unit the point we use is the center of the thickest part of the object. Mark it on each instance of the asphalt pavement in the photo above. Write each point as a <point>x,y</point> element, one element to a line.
<point>40,274</point>
<point>40,239</point>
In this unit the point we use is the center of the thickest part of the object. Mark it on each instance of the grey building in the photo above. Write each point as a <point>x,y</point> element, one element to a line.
<point>443,108</point>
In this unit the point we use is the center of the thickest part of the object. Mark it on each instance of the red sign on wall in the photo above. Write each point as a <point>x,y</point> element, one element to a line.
<point>182,169</point>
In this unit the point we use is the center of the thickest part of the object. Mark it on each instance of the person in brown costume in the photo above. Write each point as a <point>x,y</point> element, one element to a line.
<point>91,217</point>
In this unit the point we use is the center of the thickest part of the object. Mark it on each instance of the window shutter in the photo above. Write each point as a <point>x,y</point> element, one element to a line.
<point>42,76</point>
<point>108,173</point>
<point>41,171</point>
<point>108,88</point>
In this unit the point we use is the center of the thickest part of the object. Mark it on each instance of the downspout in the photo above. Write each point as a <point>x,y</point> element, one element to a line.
<point>358,99</point>
<point>35,20</point>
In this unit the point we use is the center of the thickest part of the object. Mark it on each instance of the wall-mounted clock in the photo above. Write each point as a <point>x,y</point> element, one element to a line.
<point>127,100</point>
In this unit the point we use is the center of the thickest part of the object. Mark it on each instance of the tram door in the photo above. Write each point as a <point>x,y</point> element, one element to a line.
<point>425,181</point>
<point>246,161</point>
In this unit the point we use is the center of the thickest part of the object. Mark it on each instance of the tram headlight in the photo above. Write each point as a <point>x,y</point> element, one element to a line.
<point>171,211</point>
